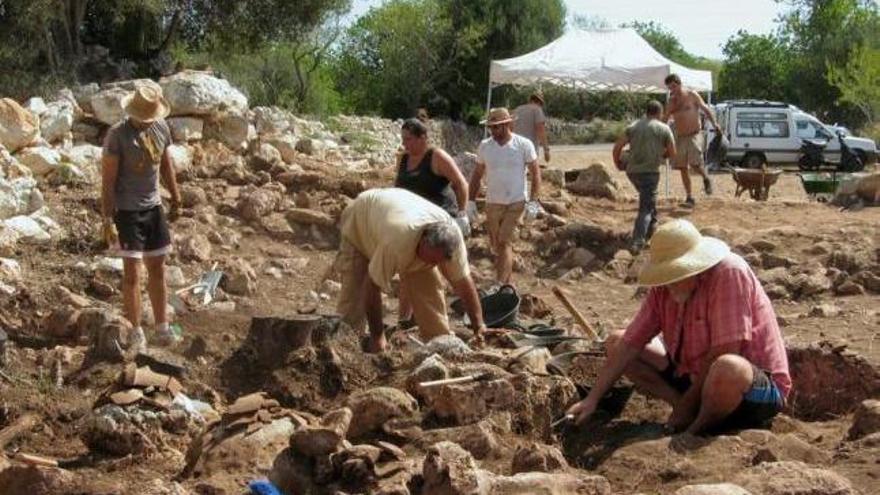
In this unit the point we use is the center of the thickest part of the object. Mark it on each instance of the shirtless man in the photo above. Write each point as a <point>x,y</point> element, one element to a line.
<point>684,109</point>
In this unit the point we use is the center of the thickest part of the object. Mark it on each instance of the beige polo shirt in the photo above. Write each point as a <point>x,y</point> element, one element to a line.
<point>385,225</point>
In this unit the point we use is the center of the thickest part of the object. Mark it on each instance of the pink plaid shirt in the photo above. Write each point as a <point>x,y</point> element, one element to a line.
<point>728,306</point>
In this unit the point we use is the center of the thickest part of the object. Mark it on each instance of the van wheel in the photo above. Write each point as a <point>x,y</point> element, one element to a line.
<point>753,160</point>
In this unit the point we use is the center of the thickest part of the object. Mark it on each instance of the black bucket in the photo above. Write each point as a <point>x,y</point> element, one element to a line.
<point>500,308</point>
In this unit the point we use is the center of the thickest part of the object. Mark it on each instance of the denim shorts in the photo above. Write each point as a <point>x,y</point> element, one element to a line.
<point>759,405</point>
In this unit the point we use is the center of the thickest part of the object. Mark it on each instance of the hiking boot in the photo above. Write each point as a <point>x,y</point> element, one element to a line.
<point>138,341</point>
<point>707,186</point>
<point>689,202</point>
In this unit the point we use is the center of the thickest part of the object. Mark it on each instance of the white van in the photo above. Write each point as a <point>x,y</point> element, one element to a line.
<point>766,131</point>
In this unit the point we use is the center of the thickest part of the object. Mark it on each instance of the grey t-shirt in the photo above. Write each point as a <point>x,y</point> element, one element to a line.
<point>137,182</point>
<point>527,117</point>
<point>647,143</point>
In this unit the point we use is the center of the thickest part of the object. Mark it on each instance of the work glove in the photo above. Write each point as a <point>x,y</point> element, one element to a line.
<point>109,233</point>
<point>463,224</point>
<point>471,211</point>
<point>533,208</point>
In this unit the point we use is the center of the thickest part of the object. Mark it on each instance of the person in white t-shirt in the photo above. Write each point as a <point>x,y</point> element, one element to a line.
<point>504,159</point>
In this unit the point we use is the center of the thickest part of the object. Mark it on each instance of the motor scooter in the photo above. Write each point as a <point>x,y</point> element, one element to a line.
<point>813,156</point>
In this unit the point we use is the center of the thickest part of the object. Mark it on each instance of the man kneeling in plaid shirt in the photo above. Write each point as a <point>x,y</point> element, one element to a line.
<point>705,339</point>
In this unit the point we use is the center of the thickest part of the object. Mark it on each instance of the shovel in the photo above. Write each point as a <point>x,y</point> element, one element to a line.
<point>525,340</point>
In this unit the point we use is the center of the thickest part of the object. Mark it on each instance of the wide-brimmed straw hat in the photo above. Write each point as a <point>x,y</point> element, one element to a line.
<point>498,116</point>
<point>679,251</point>
<point>146,104</point>
<point>538,95</point>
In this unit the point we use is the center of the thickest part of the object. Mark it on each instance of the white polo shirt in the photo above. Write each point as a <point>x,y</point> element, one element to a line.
<point>506,168</point>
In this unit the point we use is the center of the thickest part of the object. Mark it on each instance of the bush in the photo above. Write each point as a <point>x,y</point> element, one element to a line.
<point>595,131</point>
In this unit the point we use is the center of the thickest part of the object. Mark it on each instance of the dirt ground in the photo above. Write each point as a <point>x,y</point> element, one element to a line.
<point>790,220</point>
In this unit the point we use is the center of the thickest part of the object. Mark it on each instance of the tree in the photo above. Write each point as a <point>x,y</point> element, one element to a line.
<point>859,81</point>
<point>823,34</point>
<point>755,66</point>
<point>663,41</point>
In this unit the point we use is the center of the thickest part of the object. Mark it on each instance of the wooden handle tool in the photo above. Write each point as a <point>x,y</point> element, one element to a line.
<point>588,330</point>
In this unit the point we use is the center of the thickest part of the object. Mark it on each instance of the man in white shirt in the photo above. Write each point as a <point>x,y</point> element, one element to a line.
<point>503,159</point>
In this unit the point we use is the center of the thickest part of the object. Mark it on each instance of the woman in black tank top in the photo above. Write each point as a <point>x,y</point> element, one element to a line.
<point>446,189</point>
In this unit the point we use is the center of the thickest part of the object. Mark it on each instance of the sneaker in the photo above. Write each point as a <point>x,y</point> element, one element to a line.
<point>707,186</point>
<point>164,337</point>
<point>138,341</point>
<point>689,202</point>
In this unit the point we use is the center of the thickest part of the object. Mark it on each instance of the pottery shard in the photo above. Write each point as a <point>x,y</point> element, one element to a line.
<point>373,407</point>
<point>324,438</point>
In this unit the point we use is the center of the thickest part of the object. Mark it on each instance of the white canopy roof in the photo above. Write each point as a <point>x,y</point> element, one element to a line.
<point>601,60</point>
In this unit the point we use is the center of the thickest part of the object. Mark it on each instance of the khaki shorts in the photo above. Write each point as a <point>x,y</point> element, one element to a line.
<point>423,288</point>
<point>688,152</point>
<point>501,221</point>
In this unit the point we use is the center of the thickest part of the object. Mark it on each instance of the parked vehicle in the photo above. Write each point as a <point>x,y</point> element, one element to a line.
<point>770,132</point>
<point>813,155</point>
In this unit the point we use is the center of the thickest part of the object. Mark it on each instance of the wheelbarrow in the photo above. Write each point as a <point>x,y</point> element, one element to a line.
<point>822,186</point>
<point>756,181</point>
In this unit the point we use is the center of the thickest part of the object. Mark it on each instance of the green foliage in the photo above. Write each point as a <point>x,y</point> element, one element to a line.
<point>859,81</point>
<point>411,53</point>
<point>823,33</point>
<point>756,66</point>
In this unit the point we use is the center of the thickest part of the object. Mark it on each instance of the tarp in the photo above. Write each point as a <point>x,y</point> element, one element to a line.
<point>600,60</point>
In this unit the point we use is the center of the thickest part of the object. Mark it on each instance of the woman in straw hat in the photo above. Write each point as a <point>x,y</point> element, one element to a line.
<point>134,224</point>
<point>720,359</point>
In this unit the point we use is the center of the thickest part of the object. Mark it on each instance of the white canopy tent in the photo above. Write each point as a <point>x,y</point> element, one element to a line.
<point>597,60</point>
<point>600,60</point>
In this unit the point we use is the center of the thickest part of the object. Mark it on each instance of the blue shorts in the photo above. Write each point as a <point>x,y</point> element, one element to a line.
<point>759,405</point>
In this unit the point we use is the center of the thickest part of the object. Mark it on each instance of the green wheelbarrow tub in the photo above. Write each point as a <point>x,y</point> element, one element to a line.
<point>821,182</point>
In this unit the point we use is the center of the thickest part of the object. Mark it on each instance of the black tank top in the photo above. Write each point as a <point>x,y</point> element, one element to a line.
<point>424,182</point>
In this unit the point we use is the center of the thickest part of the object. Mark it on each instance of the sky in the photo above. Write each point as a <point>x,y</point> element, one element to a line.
<point>702,26</point>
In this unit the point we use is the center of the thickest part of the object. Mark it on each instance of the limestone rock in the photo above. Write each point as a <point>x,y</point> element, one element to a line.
<point>866,420</point>
<point>185,129</point>
<point>596,180</point>
<point>196,247</point>
<point>468,403</point>
<point>538,457</point>
<point>107,103</point>
<point>256,203</point>
<point>271,120</point>
<point>18,126</point>
<point>324,438</point>
<point>57,121</point>
<point>479,439</point>
<point>373,407</point>
<point>792,478</point>
<point>181,157</point>
<point>200,93</point>
<point>239,278</point>
<point>34,480</point>
<point>549,484</point>
<point>27,229</point>
<point>715,489</point>
<point>448,469</point>
<point>40,160</point>
<point>310,217</point>
<point>286,145</point>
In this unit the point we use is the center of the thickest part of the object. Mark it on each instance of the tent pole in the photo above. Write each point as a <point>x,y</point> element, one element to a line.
<point>488,107</point>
